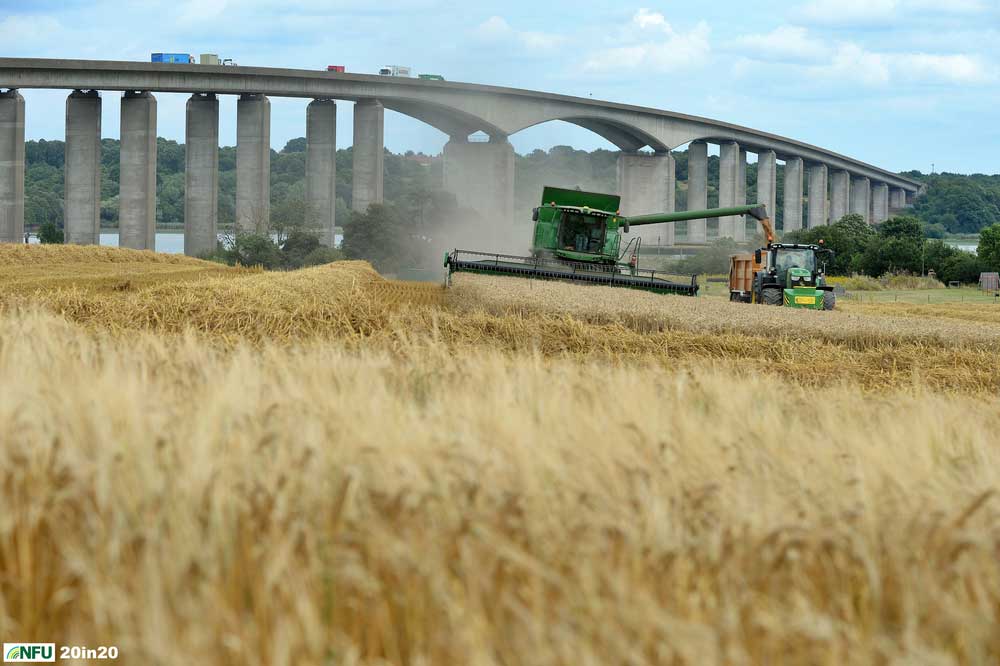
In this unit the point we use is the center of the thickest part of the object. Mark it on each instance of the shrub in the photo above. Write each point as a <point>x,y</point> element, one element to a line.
<point>907,281</point>
<point>298,244</point>
<point>50,233</point>
<point>322,255</point>
<point>858,283</point>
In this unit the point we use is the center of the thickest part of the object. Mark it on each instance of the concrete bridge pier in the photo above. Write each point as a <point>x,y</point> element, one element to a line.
<point>880,203</point>
<point>253,163</point>
<point>767,184</point>
<point>647,184</point>
<point>137,196</point>
<point>861,197</point>
<point>897,198</point>
<point>840,195</point>
<point>321,168</point>
<point>83,168</point>
<point>369,141</point>
<point>729,174</point>
<point>201,175</point>
<point>793,194</point>
<point>11,167</point>
<point>741,196</point>
<point>697,195</point>
<point>817,215</point>
<point>481,176</point>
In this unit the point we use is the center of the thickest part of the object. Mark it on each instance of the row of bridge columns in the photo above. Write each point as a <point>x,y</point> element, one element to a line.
<point>481,174</point>
<point>137,196</point>
<point>647,183</point>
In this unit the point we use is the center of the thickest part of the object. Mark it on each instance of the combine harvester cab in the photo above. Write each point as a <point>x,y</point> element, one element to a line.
<point>578,238</point>
<point>785,274</point>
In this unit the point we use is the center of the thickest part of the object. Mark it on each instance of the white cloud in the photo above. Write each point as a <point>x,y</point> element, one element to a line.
<point>657,47</point>
<point>497,29</point>
<point>846,12</point>
<point>947,6</point>
<point>958,68</point>
<point>16,30</point>
<point>852,63</point>
<point>201,10</point>
<point>785,43</point>
<point>879,12</point>
<point>646,19</point>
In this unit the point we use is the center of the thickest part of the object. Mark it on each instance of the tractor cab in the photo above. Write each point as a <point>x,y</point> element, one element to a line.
<point>793,261</point>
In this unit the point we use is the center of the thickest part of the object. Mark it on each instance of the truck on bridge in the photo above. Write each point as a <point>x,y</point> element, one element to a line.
<point>395,70</point>
<point>176,58</point>
<point>188,59</point>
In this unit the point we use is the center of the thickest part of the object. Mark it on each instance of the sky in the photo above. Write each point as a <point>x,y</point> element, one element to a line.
<point>902,84</point>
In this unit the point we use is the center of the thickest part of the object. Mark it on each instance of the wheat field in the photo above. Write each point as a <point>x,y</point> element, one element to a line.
<point>324,467</point>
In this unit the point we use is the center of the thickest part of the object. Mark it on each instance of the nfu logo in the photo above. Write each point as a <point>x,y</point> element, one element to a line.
<point>23,652</point>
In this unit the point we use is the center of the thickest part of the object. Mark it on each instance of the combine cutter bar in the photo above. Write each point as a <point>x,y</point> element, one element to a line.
<point>533,267</point>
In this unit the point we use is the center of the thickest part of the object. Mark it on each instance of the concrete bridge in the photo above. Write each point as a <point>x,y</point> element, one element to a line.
<point>481,174</point>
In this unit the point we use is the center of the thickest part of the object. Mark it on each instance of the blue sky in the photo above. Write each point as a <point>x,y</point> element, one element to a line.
<point>899,83</point>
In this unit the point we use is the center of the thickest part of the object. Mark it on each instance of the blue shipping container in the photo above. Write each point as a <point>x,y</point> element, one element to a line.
<point>176,58</point>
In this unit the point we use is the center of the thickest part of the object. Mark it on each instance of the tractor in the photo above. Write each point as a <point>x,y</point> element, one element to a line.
<point>787,274</point>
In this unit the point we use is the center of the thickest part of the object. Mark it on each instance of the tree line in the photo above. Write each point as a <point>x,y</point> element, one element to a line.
<point>952,204</point>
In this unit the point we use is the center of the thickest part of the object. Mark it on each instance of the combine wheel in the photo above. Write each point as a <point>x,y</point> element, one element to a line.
<point>829,300</point>
<point>771,297</point>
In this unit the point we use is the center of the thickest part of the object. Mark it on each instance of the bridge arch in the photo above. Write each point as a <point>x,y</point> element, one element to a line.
<point>626,137</point>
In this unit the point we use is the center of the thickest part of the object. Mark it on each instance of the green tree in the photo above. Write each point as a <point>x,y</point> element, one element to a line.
<point>898,247</point>
<point>50,233</point>
<point>989,247</point>
<point>936,254</point>
<point>254,249</point>
<point>903,227</point>
<point>379,236</point>
<point>322,255</point>
<point>713,259</point>
<point>961,267</point>
<point>848,237</point>
<point>298,245</point>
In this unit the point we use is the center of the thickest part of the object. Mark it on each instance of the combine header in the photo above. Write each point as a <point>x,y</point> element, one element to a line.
<point>578,238</point>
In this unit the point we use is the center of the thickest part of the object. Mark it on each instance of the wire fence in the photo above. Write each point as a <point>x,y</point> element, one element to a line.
<point>929,296</point>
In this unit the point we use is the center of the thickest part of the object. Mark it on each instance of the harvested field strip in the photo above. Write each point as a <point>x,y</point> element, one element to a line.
<point>303,504</point>
<point>28,269</point>
<point>105,277</point>
<point>987,313</point>
<point>647,312</point>
<point>29,255</point>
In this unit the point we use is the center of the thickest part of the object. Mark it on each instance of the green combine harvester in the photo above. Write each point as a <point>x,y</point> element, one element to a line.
<point>578,237</point>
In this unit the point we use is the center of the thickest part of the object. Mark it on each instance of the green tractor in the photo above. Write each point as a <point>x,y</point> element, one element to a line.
<point>786,274</point>
<point>578,238</point>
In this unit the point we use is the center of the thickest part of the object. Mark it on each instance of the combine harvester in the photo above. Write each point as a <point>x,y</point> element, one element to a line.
<point>578,239</point>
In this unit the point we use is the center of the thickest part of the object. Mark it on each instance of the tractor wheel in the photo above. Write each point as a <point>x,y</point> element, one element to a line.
<point>829,300</point>
<point>771,297</point>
